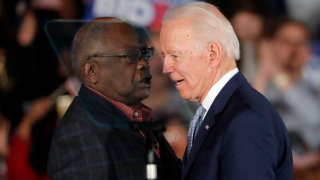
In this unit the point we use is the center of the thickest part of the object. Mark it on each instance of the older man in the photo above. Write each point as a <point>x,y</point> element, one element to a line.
<point>235,134</point>
<point>93,139</point>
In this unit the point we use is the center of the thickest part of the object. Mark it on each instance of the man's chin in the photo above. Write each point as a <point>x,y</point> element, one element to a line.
<point>143,95</point>
<point>186,96</point>
<point>182,94</point>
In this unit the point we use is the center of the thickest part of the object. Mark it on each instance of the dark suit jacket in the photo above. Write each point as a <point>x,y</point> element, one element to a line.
<point>94,141</point>
<point>241,137</point>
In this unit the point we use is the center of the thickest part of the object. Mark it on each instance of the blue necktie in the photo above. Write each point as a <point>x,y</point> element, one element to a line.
<point>194,126</point>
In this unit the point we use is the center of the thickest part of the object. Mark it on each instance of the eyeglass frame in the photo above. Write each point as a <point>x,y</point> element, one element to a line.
<point>146,53</point>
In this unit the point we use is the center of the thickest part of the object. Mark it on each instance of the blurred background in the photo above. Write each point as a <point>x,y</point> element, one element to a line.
<point>280,57</point>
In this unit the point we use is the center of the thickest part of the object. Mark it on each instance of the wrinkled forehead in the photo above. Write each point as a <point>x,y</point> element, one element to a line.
<point>116,36</point>
<point>176,32</point>
<point>122,35</point>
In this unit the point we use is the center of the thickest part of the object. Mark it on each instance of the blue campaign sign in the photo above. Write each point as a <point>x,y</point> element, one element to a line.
<point>141,12</point>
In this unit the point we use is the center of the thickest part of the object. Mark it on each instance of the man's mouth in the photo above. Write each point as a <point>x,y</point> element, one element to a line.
<point>178,82</point>
<point>147,80</point>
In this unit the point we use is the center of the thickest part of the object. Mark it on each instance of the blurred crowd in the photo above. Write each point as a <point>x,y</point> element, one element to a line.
<point>280,57</point>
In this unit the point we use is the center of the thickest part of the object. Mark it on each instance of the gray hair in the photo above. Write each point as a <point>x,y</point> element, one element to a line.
<point>88,36</point>
<point>208,24</point>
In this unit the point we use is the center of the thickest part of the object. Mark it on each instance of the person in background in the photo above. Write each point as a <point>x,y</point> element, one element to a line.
<point>235,133</point>
<point>249,22</point>
<point>4,145</point>
<point>93,139</point>
<point>176,130</point>
<point>281,79</point>
<point>22,159</point>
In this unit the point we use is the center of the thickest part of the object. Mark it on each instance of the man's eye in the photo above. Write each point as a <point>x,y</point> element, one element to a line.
<point>131,59</point>
<point>175,57</point>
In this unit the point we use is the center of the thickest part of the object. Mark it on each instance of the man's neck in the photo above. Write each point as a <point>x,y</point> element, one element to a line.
<point>226,67</point>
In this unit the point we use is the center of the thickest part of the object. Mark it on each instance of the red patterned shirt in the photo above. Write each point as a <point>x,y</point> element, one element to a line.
<point>138,112</point>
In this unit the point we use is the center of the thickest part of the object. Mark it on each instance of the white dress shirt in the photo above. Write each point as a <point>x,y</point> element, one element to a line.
<point>215,90</point>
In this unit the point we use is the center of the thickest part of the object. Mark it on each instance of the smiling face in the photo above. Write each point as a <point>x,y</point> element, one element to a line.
<point>187,66</point>
<point>114,77</point>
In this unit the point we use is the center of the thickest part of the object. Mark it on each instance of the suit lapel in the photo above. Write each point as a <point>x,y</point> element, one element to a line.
<point>208,124</point>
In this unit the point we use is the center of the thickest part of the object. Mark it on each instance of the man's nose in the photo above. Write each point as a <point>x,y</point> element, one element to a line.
<point>143,64</point>
<point>167,65</point>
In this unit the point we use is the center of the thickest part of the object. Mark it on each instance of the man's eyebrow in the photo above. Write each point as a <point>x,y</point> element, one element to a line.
<point>137,46</point>
<point>174,52</point>
<point>129,47</point>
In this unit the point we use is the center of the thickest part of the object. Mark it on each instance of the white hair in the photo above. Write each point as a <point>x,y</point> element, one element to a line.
<point>208,24</point>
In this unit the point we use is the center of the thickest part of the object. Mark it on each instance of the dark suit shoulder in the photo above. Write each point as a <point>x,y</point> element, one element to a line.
<point>260,109</point>
<point>255,135</point>
<point>77,150</point>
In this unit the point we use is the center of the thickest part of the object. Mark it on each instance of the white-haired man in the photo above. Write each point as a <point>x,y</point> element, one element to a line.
<point>235,134</point>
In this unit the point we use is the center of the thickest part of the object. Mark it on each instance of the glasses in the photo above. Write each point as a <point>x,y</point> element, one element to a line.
<point>144,52</point>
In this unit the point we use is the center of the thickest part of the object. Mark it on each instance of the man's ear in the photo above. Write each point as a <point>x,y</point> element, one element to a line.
<point>89,71</point>
<point>215,54</point>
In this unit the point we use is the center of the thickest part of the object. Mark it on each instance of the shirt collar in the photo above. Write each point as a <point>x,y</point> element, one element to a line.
<point>139,112</point>
<point>216,88</point>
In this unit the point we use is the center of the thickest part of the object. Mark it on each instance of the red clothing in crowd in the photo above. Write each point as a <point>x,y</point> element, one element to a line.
<point>18,161</point>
